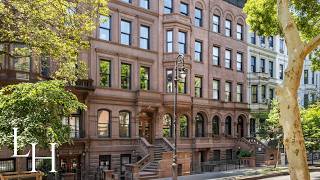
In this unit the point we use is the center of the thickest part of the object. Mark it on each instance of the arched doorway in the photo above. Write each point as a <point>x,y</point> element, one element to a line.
<point>240,127</point>
<point>199,125</point>
<point>145,126</point>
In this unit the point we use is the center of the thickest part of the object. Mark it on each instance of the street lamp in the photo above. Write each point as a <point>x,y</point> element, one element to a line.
<point>180,73</point>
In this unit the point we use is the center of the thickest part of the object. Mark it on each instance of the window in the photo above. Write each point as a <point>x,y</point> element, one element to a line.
<point>239,92</point>
<point>105,161</point>
<point>253,38</point>
<point>262,65</point>
<point>281,46</point>
<point>145,4</point>
<point>144,37</point>
<point>263,92</point>
<point>239,32</point>
<point>227,62</point>
<point>105,28</point>
<point>271,93</point>
<point>216,23</point>
<point>104,123</point>
<point>125,76</point>
<point>239,61</point>
<point>228,32</point>
<point>124,121</point>
<point>7,165</point>
<point>270,42</point>
<point>281,71</point>
<point>105,73</point>
<point>215,125</point>
<point>227,126</point>
<point>198,51</point>
<point>182,86</point>
<point>127,1</point>
<point>183,126</point>
<point>216,56</point>
<point>74,123</point>
<point>21,64</point>
<point>125,32</point>
<point>306,77</point>
<point>305,100</point>
<point>216,89</point>
<point>229,154</point>
<point>44,65</point>
<point>168,8</point>
<point>169,41</point>
<point>216,155</point>
<point>312,77</point>
<point>41,164</point>
<point>253,64</point>
<point>228,95</point>
<point>167,126</point>
<point>254,94</point>
<point>2,56</point>
<point>198,87</point>
<point>262,41</point>
<point>182,42</point>
<point>124,159</point>
<point>184,9</point>
<point>199,125</point>
<point>144,78</point>
<point>271,68</point>
<point>198,17</point>
<point>169,78</point>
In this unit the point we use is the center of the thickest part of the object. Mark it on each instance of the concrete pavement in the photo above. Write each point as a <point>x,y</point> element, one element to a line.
<point>314,176</point>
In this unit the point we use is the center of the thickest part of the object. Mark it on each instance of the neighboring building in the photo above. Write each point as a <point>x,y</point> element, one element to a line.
<point>267,60</point>
<point>309,90</point>
<point>130,92</point>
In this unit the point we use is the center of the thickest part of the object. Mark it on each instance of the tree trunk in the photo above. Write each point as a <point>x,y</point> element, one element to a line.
<point>293,137</point>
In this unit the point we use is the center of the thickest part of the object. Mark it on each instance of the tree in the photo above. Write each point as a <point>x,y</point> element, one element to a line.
<point>298,21</point>
<point>271,131</point>
<point>36,110</point>
<point>310,126</point>
<point>58,29</point>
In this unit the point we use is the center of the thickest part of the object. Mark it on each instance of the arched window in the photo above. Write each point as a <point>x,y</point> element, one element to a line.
<point>240,127</point>
<point>183,126</point>
<point>199,125</point>
<point>227,125</point>
<point>167,125</point>
<point>124,122</point>
<point>215,125</point>
<point>104,123</point>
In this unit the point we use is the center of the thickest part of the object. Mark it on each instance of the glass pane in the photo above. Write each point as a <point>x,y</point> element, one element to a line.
<point>125,27</point>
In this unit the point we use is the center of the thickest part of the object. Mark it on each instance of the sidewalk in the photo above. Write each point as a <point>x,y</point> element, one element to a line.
<point>230,174</point>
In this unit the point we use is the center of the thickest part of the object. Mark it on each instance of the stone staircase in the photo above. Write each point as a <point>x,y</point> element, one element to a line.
<point>150,171</point>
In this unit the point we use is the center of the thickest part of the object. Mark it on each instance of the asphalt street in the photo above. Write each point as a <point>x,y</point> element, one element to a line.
<point>314,176</point>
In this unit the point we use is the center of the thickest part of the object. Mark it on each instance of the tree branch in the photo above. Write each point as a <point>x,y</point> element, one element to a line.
<point>311,45</point>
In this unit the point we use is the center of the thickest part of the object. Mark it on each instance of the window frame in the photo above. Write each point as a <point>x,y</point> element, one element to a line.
<point>215,126</point>
<point>198,51</point>
<point>168,125</point>
<point>216,90</point>
<point>147,69</point>
<point>129,35</point>
<point>169,82</point>
<point>186,5</point>
<point>240,33</point>
<point>186,127</point>
<point>199,121</point>
<point>253,64</point>
<point>240,63</point>
<point>199,88</point>
<point>198,21</point>
<point>240,92</point>
<point>147,39</point>
<point>107,74</point>
<point>167,9</point>
<point>226,60</point>
<point>128,78</point>
<point>228,28</point>
<point>127,125</point>
<point>109,126</point>
<point>228,94</point>
<point>254,94</point>
<point>169,41</point>
<point>108,29</point>
<point>180,43</point>
<point>216,24</point>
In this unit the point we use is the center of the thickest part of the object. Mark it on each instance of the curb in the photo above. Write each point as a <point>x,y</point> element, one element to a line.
<point>272,175</point>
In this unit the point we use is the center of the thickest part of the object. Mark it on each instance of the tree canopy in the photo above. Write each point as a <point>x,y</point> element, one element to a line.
<point>311,126</point>
<point>36,110</point>
<point>58,29</point>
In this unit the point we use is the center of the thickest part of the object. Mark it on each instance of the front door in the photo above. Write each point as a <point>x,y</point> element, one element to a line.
<point>145,128</point>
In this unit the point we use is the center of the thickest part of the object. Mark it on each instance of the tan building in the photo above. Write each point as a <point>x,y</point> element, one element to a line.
<point>130,91</point>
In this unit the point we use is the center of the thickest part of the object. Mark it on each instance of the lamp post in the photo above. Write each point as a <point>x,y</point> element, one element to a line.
<point>180,73</point>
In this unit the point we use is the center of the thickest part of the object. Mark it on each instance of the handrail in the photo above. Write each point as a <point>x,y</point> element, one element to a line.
<point>167,143</point>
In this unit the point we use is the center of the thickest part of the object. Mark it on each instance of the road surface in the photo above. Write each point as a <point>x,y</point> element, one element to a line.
<point>314,176</point>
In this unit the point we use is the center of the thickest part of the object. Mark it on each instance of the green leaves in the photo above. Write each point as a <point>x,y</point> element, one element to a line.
<point>58,29</point>
<point>262,16</point>
<point>311,126</point>
<point>37,110</point>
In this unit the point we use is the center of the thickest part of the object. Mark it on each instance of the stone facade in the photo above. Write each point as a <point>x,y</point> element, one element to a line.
<point>121,110</point>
